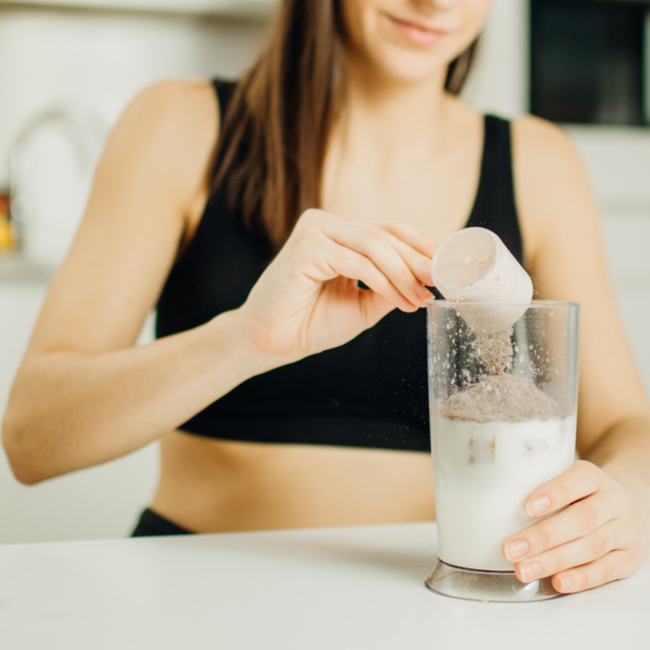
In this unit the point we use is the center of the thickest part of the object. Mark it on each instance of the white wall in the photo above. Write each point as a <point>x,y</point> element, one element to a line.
<point>626,238</point>
<point>618,162</point>
<point>89,64</point>
<point>498,82</point>
<point>103,59</point>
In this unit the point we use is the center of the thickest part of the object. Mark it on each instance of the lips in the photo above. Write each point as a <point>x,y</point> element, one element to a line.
<point>417,33</point>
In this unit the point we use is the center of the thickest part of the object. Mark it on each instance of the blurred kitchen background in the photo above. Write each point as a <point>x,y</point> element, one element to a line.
<point>69,67</point>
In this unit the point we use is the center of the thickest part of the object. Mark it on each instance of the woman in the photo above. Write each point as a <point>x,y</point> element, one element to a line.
<point>283,394</point>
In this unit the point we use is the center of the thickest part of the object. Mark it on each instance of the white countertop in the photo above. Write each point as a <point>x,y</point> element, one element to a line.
<point>339,588</point>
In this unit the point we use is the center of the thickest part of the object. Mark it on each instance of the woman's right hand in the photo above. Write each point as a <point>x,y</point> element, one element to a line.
<point>308,300</point>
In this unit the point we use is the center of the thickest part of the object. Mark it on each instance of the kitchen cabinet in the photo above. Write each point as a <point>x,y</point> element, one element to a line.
<point>233,8</point>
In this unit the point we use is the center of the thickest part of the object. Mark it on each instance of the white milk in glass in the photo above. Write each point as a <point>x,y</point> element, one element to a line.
<point>484,471</point>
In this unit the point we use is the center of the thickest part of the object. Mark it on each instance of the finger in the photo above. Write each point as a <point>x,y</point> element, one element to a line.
<point>616,565</point>
<point>321,259</point>
<point>574,522</point>
<point>580,551</point>
<point>355,235</point>
<point>580,480</point>
<point>411,235</point>
<point>377,247</point>
<point>343,261</point>
<point>419,264</point>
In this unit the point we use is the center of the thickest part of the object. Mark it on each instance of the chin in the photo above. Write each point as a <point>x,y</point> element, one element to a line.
<point>409,67</point>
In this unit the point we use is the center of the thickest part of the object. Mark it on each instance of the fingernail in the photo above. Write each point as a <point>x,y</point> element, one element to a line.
<point>537,506</point>
<point>516,549</point>
<point>566,582</point>
<point>530,571</point>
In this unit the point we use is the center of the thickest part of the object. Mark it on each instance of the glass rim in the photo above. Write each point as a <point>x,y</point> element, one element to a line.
<point>533,303</point>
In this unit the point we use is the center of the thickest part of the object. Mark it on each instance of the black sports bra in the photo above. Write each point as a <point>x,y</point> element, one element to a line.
<point>370,392</point>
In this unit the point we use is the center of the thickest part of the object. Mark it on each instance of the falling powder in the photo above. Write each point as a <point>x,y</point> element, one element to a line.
<point>495,351</point>
<point>498,395</point>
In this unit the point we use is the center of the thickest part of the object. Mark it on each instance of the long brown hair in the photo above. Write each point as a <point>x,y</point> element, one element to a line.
<point>270,153</point>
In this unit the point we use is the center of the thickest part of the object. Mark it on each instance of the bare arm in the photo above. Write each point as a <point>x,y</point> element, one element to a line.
<point>604,534</point>
<point>81,369</point>
<point>84,394</point>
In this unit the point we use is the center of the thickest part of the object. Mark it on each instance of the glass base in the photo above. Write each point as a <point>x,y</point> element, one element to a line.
<point>493,586</point>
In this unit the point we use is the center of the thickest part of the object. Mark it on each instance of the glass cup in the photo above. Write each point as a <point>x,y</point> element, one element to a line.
<point>503,421</point>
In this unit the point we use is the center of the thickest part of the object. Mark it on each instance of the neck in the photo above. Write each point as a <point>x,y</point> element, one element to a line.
<point>396,115</point>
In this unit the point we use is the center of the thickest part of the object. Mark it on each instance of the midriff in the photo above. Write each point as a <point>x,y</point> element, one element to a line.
<point>209,485</point>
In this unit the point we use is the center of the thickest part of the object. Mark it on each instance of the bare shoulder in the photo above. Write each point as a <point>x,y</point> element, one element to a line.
<point>539,144</point>
<point>565,253</point>
<point>148,185</point>
<point>174,122</point>
<point>185,102</point>
<point>182,92</point>
<point>552,188</point>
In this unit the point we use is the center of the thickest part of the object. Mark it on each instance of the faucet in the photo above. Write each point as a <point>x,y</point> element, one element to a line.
<point>88,132</point>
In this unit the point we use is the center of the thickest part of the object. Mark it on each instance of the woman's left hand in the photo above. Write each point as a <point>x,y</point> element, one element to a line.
<point>597,534</point>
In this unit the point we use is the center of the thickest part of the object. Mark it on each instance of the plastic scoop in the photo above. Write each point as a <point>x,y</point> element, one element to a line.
<point>474,266</point>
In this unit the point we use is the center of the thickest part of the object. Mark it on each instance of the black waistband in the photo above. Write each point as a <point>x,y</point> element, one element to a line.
<point>151,524</point>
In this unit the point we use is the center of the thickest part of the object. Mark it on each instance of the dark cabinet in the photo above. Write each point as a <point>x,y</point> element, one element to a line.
<point>589,61</point>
